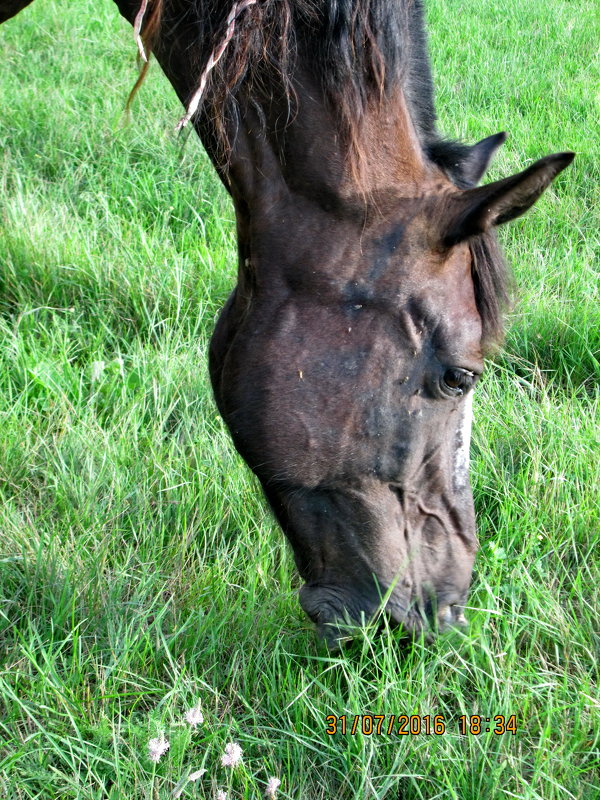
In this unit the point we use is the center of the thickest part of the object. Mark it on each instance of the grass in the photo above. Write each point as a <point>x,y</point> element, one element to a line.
<point>140,570</point>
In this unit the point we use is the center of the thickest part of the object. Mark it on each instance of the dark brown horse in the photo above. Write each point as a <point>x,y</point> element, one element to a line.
<point>369,289</point>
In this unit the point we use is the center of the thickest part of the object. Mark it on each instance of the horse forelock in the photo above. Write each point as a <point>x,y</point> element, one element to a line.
<point>492,283</point>
<point>360,50</point>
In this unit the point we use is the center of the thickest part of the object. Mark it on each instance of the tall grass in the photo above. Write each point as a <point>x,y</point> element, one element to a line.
<point>140,570</point>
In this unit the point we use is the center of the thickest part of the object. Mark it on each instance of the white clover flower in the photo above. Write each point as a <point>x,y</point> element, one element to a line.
<point>272,785</point>
<point>157,748</point>
<point>194,716</point>
<point>232,755</point>
<point>221,795</point>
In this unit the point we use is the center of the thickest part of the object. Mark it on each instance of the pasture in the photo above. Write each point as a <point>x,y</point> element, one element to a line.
<point>140,570</point>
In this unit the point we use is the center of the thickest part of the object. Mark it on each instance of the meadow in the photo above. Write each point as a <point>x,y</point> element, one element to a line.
<point>141,572</point>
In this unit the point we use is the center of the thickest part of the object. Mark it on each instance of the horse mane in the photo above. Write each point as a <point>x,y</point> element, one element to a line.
<point>493,285</point>
<point>361,50</point>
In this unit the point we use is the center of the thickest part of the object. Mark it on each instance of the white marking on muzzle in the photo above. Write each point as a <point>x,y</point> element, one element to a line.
<point>463,444</point>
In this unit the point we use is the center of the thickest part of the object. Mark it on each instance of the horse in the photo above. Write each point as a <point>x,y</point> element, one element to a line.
<point>370,287</point>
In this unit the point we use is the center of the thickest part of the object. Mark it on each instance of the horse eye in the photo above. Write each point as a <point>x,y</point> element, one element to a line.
<point>457,381</point>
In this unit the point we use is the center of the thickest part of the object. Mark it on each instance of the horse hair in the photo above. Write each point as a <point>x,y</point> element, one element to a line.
<point>360,48</point>
<point>493,286</point>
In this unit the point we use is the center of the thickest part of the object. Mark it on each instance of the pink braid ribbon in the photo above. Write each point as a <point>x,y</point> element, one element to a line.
<point>216,54</point>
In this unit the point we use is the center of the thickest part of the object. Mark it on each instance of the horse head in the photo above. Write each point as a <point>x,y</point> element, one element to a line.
<point>370,286</point>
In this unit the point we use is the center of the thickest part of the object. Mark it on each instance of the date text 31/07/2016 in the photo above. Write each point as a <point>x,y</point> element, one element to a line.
<point>415,724</point>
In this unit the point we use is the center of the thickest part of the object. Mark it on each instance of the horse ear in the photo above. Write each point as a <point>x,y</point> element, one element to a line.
<point>477,210</point>
<point>474,165</point>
